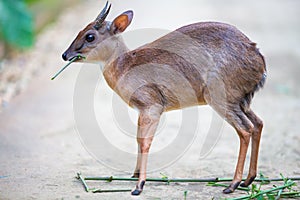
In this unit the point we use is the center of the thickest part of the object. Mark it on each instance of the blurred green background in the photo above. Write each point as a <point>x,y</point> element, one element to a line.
<point>21,20</point>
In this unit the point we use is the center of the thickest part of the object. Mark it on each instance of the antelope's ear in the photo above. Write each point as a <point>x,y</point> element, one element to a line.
<point>121,22</point>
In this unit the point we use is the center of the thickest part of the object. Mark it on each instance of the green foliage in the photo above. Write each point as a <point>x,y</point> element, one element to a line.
<point>16,23</point>
<point>264,179</point>
<point>30,1</point>
<point>185,194</point>
<point>277,192</point>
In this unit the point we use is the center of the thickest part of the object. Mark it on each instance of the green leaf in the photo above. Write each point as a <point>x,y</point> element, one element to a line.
<point>185,194</point>
<point>270,196</point>
<point>260,197</point>
<point>16,24</point>
<point>253,189</point>
<point>163,176</point>
<point>265,179</point>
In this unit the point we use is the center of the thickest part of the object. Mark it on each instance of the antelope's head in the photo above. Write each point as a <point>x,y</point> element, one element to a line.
<point>97,41</point>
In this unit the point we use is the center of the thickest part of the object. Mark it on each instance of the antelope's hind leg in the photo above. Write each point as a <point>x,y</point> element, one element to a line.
<point>255,140</point>
<point>244,127</point>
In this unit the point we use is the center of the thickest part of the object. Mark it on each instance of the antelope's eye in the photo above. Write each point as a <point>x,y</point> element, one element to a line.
<point>90,38</point>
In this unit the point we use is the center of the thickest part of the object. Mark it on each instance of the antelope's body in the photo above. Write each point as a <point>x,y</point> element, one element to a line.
<point>225,49</point>
<point>204,63</point>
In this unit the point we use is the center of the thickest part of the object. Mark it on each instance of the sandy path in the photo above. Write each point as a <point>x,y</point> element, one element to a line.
<point>41,150</point>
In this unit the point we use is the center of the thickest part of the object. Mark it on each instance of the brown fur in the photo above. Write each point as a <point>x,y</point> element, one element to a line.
<point>204,63</point>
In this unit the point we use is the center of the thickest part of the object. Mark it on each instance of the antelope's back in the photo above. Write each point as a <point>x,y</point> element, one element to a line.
<point>213,55</point>
<point>188,64</point>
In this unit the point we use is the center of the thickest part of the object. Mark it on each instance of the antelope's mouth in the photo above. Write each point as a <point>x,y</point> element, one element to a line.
<point>77,58</point>
<point>73,59</point>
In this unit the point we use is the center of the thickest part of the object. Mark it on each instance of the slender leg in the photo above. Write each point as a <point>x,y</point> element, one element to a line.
<point>242,124</point>
<point>255,140</point>
<point>244,143</point>
<point>136,172</point>
<point>147,124</point>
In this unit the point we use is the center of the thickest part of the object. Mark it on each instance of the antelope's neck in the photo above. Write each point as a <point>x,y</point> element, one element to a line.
<point>120,49</point>
<point>112,69</point>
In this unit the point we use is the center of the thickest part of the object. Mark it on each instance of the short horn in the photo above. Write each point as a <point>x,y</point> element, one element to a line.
<point>101,17</point>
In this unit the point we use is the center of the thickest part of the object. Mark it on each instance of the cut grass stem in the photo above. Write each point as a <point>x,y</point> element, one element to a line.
<point>67,65</point>
<point>96,190</point>
<point>256,192</point>
<point>86,187</point>
<point>253,196</point>
<point>177,180</point>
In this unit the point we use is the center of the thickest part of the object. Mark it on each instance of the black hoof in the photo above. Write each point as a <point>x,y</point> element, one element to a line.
<point>247,182</point>
<point>231,188</point>
<point>136,192</point>
<point>228,190</point>
<point>135,175</point>
<point>244,184</point>
<point>139,188</point>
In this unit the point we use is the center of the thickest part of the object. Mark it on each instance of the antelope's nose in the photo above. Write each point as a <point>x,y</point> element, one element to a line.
<point>64,56</point>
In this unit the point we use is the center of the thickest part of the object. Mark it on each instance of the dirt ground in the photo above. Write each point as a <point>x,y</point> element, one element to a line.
<point>42,149</point>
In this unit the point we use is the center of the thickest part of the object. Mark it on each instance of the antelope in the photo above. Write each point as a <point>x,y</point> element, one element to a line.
<point>205,63</point>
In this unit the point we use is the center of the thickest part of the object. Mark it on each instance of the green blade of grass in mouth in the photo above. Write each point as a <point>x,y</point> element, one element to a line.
<point>69,63</point>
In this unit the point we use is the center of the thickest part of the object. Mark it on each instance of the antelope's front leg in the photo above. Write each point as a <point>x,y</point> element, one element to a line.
<point>147,124</point>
